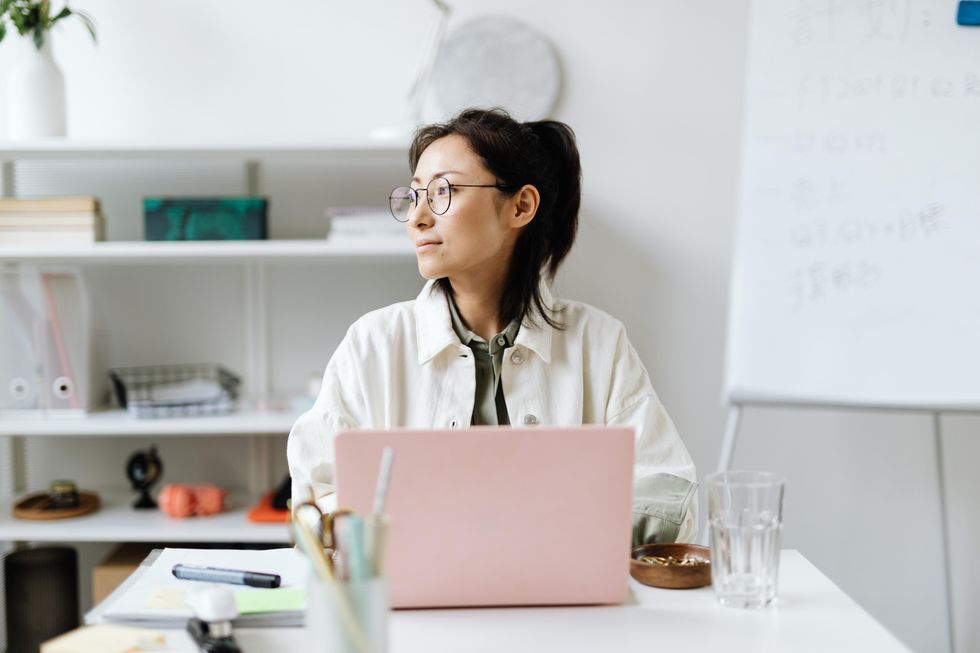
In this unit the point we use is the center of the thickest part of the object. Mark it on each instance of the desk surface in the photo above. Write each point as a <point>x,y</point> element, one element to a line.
<point>811,614</point>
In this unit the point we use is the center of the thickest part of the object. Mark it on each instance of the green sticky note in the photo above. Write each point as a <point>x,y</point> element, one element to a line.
<point>283,599</point>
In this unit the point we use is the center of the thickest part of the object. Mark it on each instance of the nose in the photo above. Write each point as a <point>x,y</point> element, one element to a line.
<point>420,217</point>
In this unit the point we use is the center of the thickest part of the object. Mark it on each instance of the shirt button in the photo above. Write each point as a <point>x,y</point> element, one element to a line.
<point>501,340</point>
<point>530,419</point>
<point>517,358</point>
<point>452,423</point>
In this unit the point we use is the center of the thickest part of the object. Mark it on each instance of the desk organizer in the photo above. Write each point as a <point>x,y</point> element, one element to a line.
<point>175,390</point>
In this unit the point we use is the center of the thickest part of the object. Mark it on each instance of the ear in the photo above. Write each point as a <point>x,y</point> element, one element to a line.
<point>526,202</point>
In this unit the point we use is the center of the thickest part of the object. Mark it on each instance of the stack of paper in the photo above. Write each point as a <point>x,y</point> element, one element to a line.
<point>362,223</point>
<point>52,220</point>
<point>157,599</point>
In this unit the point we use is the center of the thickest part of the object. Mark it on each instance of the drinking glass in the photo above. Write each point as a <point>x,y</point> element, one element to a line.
<point>745,515</point>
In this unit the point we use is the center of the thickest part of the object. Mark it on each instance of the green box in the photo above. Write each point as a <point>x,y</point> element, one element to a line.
<point>204,218</point>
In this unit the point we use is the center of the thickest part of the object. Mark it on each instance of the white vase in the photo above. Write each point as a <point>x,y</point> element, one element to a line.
<point>35,94</point>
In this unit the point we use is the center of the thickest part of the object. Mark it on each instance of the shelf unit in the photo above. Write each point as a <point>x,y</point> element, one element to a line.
<point>128,252</point>
<point>116,521</point>
<point>119,423</point>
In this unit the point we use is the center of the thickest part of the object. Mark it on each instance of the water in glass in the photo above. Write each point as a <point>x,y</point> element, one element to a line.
<point>745,559</point>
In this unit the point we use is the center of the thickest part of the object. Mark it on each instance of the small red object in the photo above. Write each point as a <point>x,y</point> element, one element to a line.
<point>180,500</point>
<point>263,512</point>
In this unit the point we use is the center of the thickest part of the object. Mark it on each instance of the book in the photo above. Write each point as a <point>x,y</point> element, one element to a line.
<point>156,598</point>
<point>362,222</point>
<point>41,236</point>
<point>51,228</point>
<point>29,218</point>
<point>90,204</point>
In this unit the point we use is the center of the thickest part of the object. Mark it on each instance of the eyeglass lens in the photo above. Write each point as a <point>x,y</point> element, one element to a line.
<point>403,199</point>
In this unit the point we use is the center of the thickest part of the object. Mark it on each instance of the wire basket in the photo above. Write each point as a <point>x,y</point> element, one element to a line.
<point>175,390</point>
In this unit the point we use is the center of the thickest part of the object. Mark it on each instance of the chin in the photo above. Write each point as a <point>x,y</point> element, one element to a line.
<point>429,273</point>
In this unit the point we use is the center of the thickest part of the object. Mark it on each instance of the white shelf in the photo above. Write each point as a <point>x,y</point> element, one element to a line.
<point>117,521</point>
<point>119,423</point>
<point>214,251</point>
<point>56,149</point>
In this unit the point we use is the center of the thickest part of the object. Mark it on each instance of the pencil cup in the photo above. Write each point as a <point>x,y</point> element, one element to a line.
<point>347,616</point>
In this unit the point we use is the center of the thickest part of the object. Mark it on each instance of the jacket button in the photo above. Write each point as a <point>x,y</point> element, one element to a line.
<point>517,358</point>
<point>530,419</point>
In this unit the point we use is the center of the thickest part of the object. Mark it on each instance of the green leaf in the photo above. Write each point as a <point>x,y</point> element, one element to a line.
<point>17,19</point>
<point>39,37</point>
<point>3,30</point>
<point>64,13</point>
<point>89,23</point>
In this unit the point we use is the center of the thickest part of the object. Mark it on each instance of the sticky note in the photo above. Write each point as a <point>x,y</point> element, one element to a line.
<point>968,12</point>
<point>284,599</point>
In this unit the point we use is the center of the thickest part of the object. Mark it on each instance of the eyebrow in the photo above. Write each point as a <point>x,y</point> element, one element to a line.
<point>441,173</point>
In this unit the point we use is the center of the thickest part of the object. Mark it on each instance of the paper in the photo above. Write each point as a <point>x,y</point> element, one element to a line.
<point>104,639</point>
<point>156,599</point>
<point>167,598</point>
<point>272,600</point>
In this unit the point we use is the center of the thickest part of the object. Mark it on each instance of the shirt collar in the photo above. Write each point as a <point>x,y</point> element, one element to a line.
<point>537,337</point>
<point>434,325</point>
<point>464,334</point>
<point>467,336</point>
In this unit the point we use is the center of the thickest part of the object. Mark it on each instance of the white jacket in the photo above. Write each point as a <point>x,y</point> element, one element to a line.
<point>403,366</point>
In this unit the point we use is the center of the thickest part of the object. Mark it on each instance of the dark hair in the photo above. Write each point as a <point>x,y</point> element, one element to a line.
<point>542,154</point>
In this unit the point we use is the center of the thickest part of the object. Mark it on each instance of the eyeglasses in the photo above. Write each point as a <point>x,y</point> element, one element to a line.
<point>438,194</point>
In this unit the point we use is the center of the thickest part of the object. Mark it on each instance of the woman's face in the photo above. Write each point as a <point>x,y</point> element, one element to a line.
<point>472,241</point>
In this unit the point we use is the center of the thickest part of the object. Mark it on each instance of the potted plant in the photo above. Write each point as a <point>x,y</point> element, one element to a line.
<point>35,85</point>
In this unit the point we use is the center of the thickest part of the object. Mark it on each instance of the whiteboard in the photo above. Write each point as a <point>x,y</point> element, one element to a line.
<point>856,269</point>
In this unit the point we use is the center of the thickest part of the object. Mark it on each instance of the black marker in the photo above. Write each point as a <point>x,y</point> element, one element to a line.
<point>233,576</point>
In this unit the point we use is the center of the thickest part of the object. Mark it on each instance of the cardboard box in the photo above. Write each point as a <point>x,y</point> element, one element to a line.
<point>117,566</point>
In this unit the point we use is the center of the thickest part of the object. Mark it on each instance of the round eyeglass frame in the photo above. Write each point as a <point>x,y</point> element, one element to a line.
<point>412,194</point>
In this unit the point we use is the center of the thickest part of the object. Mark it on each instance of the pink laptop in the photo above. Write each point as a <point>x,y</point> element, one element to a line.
<point>498,516</point>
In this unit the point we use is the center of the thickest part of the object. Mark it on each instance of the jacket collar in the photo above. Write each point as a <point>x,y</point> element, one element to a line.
<point>434,326</point>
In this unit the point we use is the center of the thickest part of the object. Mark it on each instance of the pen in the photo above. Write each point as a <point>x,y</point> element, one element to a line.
<point>219,575</point>
<point>376,521</point>
<point>384,476</point>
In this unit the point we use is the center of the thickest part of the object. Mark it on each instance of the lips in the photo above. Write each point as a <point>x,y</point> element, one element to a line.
<point>426,244</point>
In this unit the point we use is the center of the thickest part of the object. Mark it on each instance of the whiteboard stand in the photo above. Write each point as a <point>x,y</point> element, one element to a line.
<point>944,522</point>
<point>731,430</point>
<point>725,462</point>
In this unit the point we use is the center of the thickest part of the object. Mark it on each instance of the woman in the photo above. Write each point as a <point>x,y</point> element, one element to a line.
<point>492,211</point>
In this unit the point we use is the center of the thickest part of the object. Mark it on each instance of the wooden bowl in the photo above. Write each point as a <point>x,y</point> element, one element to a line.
<point>671,575</point>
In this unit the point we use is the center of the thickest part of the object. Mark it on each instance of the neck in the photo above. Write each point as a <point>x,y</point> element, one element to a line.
<point>479,307</point>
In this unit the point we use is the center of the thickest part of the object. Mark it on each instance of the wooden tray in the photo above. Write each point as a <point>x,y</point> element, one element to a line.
<point>33,506</point>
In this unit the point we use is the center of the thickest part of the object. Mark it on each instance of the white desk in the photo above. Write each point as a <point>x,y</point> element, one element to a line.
<point>812,614</point>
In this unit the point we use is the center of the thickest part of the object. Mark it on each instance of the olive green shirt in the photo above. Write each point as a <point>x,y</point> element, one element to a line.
<point>489,407</point>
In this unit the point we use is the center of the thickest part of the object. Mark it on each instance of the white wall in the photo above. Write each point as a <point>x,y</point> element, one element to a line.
<point>654,92</point>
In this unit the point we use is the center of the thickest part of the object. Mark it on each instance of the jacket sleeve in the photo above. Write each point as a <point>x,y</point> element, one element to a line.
<point>664,479</point>
<point>338,407</point>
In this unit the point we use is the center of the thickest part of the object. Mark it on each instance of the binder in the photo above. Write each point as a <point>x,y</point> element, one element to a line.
<point>48,364</point>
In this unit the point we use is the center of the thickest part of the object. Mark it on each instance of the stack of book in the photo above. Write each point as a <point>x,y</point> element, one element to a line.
<point>54,220</point>
<point>357,222</point>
